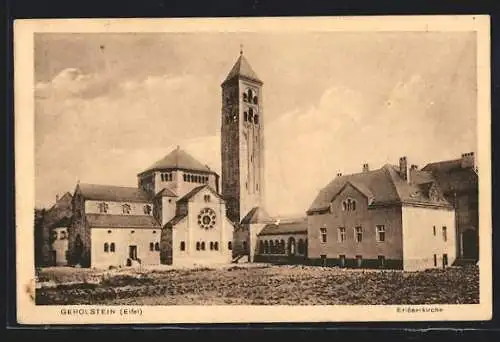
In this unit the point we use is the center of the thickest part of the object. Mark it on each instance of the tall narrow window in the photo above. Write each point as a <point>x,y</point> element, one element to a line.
<point>103,207</point>
<point>151,246</point>
<point>106,247</point>
<point>157,246</point>
<point>256,119</point>
<point>230,245</point>
<point>261,247</point>
<point>271,246</point>
<point>445,236</point>
<point>183,246</point>
<point>282,246</point>
<point>203,245</point>
<point>358,232</point>
<point>341,234</point>
<point>435,260</point>
<point>197,246</point>
<point>162,177</point>
<point>301,248</point>
<point>380,233</point>
<point>266,247</point>
<point>147,209</point>
<point>216,245</point>
<point>445,260</point>
<point>323,234</point>
<point>245,116</point>
<point>211,245</point>
<point>112,247</point>
<point>434,230</point>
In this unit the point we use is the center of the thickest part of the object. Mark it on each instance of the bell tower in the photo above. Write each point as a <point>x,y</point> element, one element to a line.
<point>242,140</point>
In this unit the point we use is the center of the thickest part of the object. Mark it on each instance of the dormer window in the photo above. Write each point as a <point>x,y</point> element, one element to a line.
<point>126,208</point>
<point>103,207</point>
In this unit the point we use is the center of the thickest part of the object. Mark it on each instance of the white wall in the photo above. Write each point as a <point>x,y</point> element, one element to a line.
<point>123,238</point>
<point>419,242</point>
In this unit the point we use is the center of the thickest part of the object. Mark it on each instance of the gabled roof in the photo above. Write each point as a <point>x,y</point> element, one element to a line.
<point>292,227</point>
<point>112,193</point>
<point>193,192</point>
<point>176,219</point>
<point>382,186</point>
<point>178,159</point>
<point>242,69</point>
<point>165,192</point>
<point>256,215</point>
<point>121,221</point>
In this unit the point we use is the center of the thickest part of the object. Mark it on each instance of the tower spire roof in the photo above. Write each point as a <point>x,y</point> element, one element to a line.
<point>242,69</point>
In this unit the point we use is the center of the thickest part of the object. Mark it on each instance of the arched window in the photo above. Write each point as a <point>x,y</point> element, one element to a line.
<point>245,116</point>
<point>151,246</point>
<point>291,246</point>
<point>250,94</point>
<point>230,245</point>
<point>277,246</point>
<point>184,177</point>
<point>271,247</point>
<point>255,100</point>
<point>282,246</point>
<point>162,177</point>
<point>106,247</point>
<point>301,247</point>
<point>245,97</point>
<point>183,246</point>
<point>250,115</point>
<point>126,208</point>
<point>256,119</point>
<point>157,246</point>
<point>211,245</point>
<point>353,204</point>
<point>216,245</point>
<point>203,246</point>
<point>266,247</point>
<point>197,246</point>
<point>261,247</point>
<point>112,247</point>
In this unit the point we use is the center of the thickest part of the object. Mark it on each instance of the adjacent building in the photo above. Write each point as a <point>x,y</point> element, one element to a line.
<point>393,217</point>
<point>458,179</point>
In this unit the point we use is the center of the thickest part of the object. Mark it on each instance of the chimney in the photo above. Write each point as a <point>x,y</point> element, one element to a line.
<point>467,161</point>
<point>339,174</point>
<point>366,168</point>
<point>403,168</point>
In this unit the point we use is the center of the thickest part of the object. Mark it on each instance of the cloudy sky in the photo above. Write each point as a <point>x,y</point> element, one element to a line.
<point>109,105</point>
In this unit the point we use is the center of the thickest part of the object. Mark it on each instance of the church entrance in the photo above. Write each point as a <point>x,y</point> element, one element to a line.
<point>470,248</point>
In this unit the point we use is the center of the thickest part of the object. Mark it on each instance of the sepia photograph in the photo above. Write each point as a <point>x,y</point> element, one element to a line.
<point>256,170</point>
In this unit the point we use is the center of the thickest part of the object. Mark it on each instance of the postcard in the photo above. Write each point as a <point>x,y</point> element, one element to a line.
<point>234,170</point>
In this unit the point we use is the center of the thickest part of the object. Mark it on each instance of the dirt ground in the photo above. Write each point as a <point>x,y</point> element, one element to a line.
<point>257,285</point>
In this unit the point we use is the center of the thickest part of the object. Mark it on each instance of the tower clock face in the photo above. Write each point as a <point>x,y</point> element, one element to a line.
<point>206,218</point>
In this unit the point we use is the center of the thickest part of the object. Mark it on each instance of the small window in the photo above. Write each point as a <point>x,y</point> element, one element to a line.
<point>381,261</point>
<point>157,246</point>
<point>132,232</point>
<point>112,247</point>
<point>250,94</point>
<point>147,209</point>
<point>162,176</point>
<point>126,208</point>
<point>244,245</point>
<point>261,247</point>
<point>342,260</point>
<point>256,119</point>
<point>106,247</point>
<point>380,233</point>
<point>344,206</point>
<point>211,246</point>
<point>323,235</point>
<point>230,245</point>
<point>216,245</point>
<point>154,231</point>
<point>255,100</point>
<point>63,235</point>
<point>203,246</point>
<point>445,236</point>
<point>282,246</point>
<point>103,207</point>
<point>266,247</point>
<point>358,232</point>
<point>109,231</point>
<point>184,177</point>
<point>434,230</point>
<point>245,116</point>
<point>198,246</point>
<point>151,246</point>
<point>183,246</point>
<point>359,261</point>
<point>341,234</point>
<point>206,198</point>
<point>271,246</point>
<point>245,97</point>
<point>445,260</point>
<point>435,260</point>
<point>301,248</point>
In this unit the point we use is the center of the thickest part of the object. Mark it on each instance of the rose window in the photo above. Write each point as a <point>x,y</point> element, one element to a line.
<point>206,218</point>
